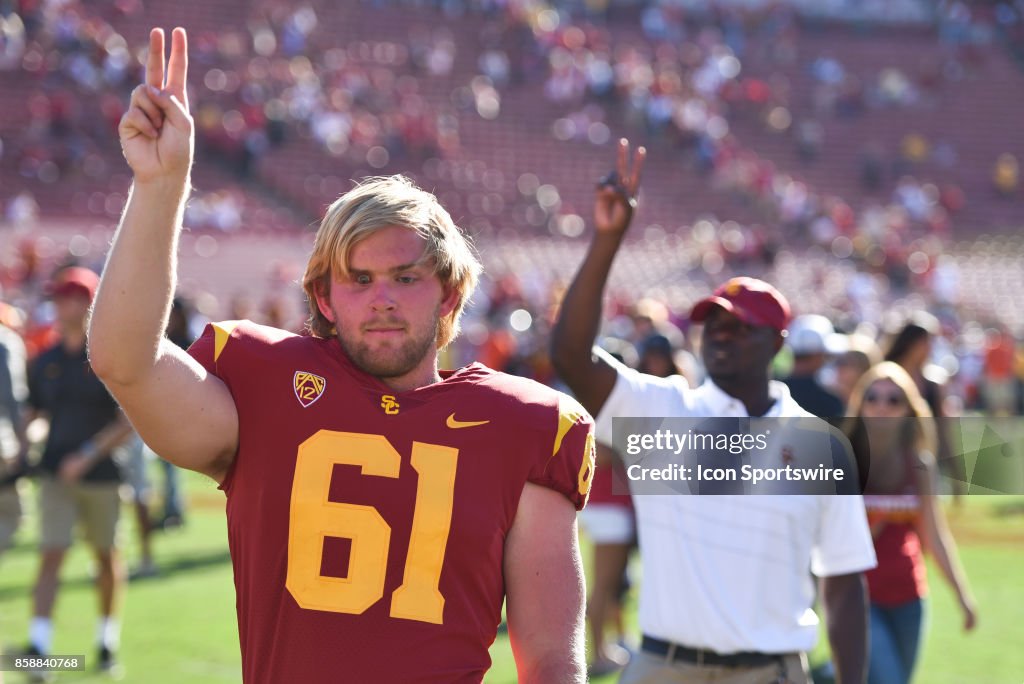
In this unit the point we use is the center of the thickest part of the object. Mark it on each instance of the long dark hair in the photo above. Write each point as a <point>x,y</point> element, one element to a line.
<point>918,328</point>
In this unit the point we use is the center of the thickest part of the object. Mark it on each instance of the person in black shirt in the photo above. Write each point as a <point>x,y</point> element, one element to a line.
<point>811,339</point>
<point>78,480</point>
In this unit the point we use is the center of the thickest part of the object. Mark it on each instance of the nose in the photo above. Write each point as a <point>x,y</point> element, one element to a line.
<point>382,298</point>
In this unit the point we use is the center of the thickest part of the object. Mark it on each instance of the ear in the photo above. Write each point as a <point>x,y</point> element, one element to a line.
<point>778,343</point>
<point>451,301</point>
<point>323,301</point>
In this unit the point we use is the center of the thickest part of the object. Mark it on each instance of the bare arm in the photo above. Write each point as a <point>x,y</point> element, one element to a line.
<point>159,386</point>
<point>846,615</point>
<point>590,378</point>
<point>100,447</point>
<point>545,592</point>
<point>939,541</point>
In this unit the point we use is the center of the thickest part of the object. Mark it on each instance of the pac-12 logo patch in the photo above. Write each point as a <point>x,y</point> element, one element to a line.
<point>308,387</point>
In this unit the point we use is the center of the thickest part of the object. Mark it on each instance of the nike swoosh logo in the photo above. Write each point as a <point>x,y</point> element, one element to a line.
<point>456,424</point>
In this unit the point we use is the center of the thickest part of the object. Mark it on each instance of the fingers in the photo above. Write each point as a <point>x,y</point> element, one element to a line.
<point>155,61</point>
<point>630,180</point>
<point>622,159</point>
<point>174,109</point>
<point>134,123</point>
<point>177,67</point>
<point>141,98</point>
<point>633,183</point>
<point>149,109</point>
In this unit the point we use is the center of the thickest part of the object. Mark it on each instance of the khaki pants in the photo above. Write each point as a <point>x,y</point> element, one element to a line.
<point>646,668</point>
<point>96,505</point>
<point>10,515</point>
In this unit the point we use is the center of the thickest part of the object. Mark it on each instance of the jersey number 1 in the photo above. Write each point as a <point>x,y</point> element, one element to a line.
<point>313,517</point>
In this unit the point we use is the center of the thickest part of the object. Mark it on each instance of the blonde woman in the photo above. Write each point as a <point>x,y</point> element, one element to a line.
<point>888,411</point>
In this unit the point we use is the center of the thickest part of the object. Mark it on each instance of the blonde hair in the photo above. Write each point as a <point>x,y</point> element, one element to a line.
<point>920,433</point>
<point>383,202</point>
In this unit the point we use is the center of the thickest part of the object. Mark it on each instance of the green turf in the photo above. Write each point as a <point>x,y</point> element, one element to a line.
<point>180,626</point>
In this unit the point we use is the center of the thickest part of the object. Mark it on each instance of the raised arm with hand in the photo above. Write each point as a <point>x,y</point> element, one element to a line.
<point>159,387</point>
<point>590,378</point>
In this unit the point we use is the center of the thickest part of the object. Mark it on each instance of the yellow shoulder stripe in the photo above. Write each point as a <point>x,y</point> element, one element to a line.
<point>569,413</point>
<point>222,333</point>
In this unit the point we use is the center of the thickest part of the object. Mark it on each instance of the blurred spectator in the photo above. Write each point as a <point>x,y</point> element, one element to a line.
<point>13,442</point>
<point>998,379</point>
<point>135,469</point>
<point>911,348</point>
<point>872,167</point>
<point>657,357</point>
<point>22,210</point>
<point>812,340</point>
<point>810,135</point>
<point>905,517</point>
<point>608,522</point>
<point>914,150</point>
<point>1006,175</point>
<point>861,354</point>
<point>80,481</point>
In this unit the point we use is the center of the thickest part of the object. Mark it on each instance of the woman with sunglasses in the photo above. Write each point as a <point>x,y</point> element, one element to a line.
<point>889,415</point>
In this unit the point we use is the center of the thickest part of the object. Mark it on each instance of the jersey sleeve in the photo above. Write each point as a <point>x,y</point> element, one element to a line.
<point>211,345</point>
<point>843,543</point>
<point>567,465</point>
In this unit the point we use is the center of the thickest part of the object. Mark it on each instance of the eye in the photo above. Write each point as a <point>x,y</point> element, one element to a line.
<point>407,279</point>
<point>361,279</point>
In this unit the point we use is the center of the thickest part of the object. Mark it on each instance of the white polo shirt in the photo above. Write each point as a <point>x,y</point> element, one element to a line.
<point>733,573</point>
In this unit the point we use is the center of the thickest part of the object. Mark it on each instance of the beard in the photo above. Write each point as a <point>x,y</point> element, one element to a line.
<point>394,359</point>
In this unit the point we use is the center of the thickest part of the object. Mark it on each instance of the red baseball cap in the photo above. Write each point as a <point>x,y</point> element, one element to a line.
<point>753,301</point>
<point>75,280</point>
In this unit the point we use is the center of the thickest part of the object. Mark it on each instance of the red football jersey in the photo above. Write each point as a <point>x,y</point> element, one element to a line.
<point>367,528</point>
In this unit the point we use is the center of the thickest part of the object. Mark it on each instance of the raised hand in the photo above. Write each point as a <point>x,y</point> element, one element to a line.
<point>156,132</point>
<point>617,192</point>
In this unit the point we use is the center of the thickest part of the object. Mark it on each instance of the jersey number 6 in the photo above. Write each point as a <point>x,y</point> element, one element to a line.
<point>313,517</point>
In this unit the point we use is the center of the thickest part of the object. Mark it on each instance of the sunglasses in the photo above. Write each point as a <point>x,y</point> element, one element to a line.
<point>892,400</point>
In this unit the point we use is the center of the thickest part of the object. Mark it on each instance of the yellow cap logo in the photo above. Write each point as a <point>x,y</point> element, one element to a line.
<point>390,406</point>
<point>733,287</point>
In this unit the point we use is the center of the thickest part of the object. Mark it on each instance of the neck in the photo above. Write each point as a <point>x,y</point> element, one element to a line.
<point>414,379</point>
<point>882,439</point>
<point>754,395</point>
<point>73,339</point>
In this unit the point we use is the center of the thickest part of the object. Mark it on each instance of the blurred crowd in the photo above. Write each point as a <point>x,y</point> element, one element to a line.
<point>679,76</point>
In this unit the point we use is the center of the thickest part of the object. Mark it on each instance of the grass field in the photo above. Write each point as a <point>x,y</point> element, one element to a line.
<point>180,626</point>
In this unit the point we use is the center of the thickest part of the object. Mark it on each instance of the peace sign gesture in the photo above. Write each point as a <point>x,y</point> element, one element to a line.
<point>617,192</point>
<point>156,132</point>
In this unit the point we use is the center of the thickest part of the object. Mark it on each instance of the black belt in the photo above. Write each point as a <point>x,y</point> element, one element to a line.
<point>700,656</point>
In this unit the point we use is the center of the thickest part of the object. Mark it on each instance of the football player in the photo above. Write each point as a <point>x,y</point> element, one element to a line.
<point>379,510</point>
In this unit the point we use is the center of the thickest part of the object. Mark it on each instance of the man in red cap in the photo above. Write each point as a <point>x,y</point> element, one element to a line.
<point>727,593</point>
<point>79,482</point>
